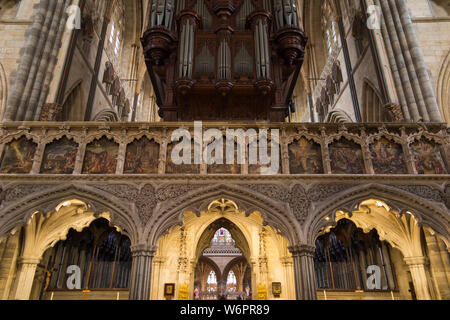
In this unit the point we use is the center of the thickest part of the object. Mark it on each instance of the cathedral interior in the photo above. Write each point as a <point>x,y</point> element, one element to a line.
<point>353,202</point>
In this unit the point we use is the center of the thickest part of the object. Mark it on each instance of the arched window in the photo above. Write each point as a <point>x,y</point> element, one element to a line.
<point>117,28</point>
<point>231,282</point>
<point>222,237</point>
<point>329,26</point>
<point>211,283</point>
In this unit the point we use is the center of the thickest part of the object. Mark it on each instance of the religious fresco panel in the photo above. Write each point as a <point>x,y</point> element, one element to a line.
<point>59,157</point>
<point>172,168</point>
<point>18,156</point>
<point>305,157</point>
<point>142,157</point>
<point>428,157</point>
<point>346,157</point>
<point>101,157</point>
<point>388,157</point>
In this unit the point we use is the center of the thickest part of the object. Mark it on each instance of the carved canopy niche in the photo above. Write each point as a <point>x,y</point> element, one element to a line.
<point>224,59</point>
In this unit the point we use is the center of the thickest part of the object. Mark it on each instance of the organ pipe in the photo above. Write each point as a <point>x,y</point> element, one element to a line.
<point>224,67</point>
<point>186,50</point>
<point>162,13</point>
<point>262,51</point>
<point>286,13</point>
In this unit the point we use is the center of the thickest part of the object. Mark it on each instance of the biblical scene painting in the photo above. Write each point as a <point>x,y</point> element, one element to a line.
<point>428,157</point>
<point>101,157</point>
<point>387,157</point>
<point>142,157</point>
<point>18,156</point>
<point>172,168</point>
<point>59,157</point>
<point>346,157</point>
<point>305,157</point>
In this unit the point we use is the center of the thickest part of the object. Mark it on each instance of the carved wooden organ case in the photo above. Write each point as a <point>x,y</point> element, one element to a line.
<point>228,60</point>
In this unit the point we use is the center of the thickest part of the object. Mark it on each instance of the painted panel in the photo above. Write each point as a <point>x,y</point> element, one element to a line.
<point>101,157</point>
<point>346,157</point>
<point>18,156</point>
<point>428,157</point>
<point>388,157</point>
<point>142,157</point>
<point>59,157</point>
<point>305,157</point>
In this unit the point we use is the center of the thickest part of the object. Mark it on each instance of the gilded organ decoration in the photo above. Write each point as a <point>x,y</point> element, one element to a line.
<point>428,157</point>
<point>142,157</point>
<point>305,157</point>
<point>59,157</point>
<point>346,157</point>
<point>101,157</point>
<point>18,156</point>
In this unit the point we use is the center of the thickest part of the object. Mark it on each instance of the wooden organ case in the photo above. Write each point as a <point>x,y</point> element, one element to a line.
<point>224,60</point>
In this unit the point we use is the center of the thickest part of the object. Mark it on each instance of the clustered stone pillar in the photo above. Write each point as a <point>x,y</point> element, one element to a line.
<point>27,270</point>
<point>141,271</point>
<point>412,81</point>
<point>416,266</point>
<point>438,268</point>
<point>37,63</point>
<point>305,283</point>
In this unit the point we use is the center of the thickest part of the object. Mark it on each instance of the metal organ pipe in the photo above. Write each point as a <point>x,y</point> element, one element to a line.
<point>224,71</point>
<point>286,13</point>
<point>162,13</point>
<point>186,50</point>
<point>262,51</point>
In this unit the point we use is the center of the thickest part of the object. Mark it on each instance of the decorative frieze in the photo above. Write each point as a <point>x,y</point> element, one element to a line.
<point>132,149</point>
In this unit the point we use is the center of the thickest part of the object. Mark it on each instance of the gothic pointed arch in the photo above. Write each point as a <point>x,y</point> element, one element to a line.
<point>338,116</point>
<point>22,202</point>
<point>172,212</point>
<point>402,199</point>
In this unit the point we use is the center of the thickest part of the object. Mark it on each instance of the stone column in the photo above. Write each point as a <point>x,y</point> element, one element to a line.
<point>305,282</point>
<point>141,271</point>
<point>25,277</point>
<point>393,42</point>
<point>437,267</point>
<point>419,62</point>
<point>416,266</point>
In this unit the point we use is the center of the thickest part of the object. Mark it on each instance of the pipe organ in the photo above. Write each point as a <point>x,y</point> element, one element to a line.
<point>224,59</point>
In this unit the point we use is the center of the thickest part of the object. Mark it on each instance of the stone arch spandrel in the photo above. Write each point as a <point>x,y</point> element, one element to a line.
<point>422,201</point>
<point>22,201</point>
<point>171,212</point>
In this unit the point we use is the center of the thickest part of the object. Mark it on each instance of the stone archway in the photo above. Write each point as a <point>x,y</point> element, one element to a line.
<point>401,228</point>
<point>223,253</point>
<point>180,248</point>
